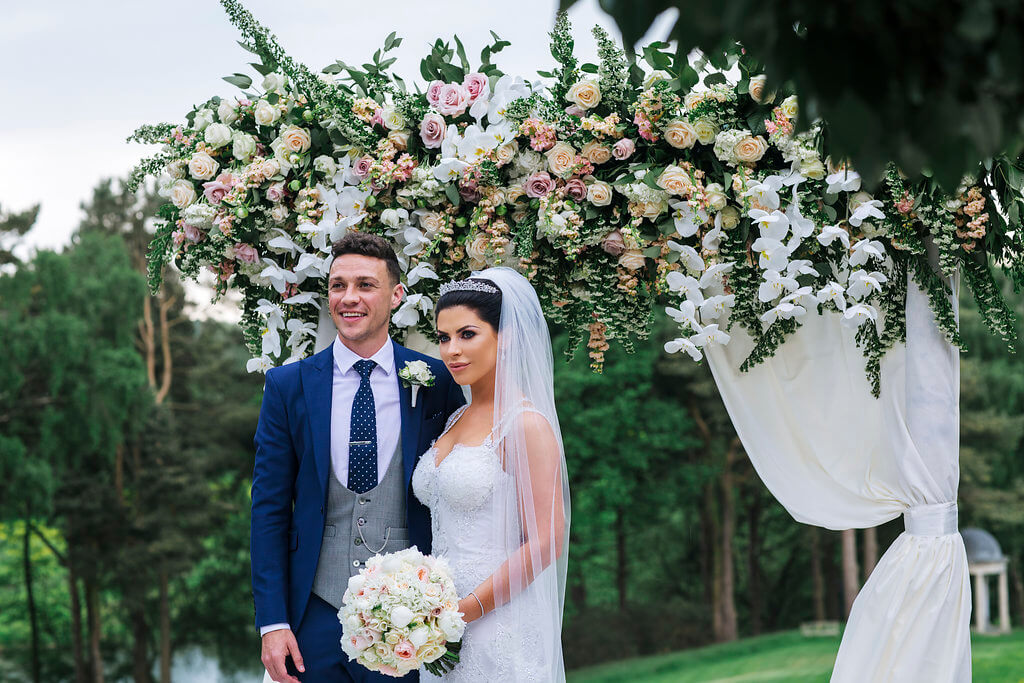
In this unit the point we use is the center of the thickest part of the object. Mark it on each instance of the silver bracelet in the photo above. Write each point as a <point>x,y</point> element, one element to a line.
<point>482,610</point>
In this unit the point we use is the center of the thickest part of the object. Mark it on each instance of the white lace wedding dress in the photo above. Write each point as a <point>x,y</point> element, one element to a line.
<point>460,494</point>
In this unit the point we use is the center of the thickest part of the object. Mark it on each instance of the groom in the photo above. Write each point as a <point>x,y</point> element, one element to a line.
<point>337,441</point>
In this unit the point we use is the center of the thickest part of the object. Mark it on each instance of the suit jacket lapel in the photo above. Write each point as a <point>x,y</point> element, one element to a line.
<point>317,385</point>
<point>412,418</point>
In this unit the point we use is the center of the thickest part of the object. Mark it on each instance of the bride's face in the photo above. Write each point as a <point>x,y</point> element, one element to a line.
<point>469,345</point>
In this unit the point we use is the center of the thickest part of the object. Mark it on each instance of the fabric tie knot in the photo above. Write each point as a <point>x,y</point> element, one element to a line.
<point>931,520</point>
<point>364,368</point>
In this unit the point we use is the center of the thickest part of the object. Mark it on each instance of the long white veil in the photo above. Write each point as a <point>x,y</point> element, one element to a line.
<point>532,517</point>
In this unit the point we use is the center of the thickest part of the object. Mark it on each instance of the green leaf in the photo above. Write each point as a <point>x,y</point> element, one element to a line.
<point>652,252</point>
<point>240,80</point>
<point>715,78</point>
<point>389,42</point>
<point>462,54</point>
<point>452,193</point>
<point>589,68</point>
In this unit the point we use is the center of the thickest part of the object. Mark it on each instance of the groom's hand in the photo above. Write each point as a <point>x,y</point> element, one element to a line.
<point>277,647</point>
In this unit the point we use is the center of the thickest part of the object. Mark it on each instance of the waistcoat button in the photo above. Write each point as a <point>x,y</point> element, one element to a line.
<point>360,521</point>
<point>358,541</point>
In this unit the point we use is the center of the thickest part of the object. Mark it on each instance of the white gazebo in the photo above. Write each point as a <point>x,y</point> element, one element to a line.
<point>984,559</point>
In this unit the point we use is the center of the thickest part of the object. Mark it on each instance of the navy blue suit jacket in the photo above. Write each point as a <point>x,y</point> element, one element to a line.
<point>293,461</point>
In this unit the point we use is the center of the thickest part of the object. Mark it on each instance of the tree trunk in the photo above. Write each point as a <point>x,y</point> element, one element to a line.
<point>850,575</point>
<point>727,597</point>
<point>817,575</point>
<point>621,570</point>
<point>30,597</point>
<point>833,582</point>
<point>140,641</point>
<point>81,676</point>
<point>165,628</point>
<point>92,609</point>
<point>1018,585</point>
<point>870,551</point>
<point>712,532</point>
<point>754,560</point>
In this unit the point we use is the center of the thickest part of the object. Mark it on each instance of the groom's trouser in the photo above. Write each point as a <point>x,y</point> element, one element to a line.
<point>319,639</point>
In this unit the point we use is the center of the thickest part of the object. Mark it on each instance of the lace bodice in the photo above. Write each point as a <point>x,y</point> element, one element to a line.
<point>464,510</point>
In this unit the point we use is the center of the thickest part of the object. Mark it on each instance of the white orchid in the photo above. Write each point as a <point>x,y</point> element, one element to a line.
<point>869,209</point>
<point>858,314</point>
<point>688,256</point>
<point>686,285</point>
<point>283,241</point>
<point>261,364</point>
<point>450,169</point>
<point>279,277</point>
<point>408,314</point>
<point>766,193</point>
<point>299,329</point>
<point>802,227</point>
<point>710,335</point>
<point>800,267</point>
<point>352,203</point>
<point>783,311</point>
<point>775,285</point>
<point>772,254</point>
<point>394,217</point>
<point>830,233</point>
<point>312,265</point>
<point>687,220</point>
<point>421,271</point>
<point>507,90</point>
<point>271,342</point>
<point>713,237</point>
<point>686,313</point>
<point>867,249</point>
<point>712,276</point>
<point>833,292</point>
<point>714,307</point>
<point>298,353</point>
<point>681,344</point>
<point>476,144</point>
<point>415,241</point>
<point>304,298</point>
<point>773,225</point>
<point>843,181</point>
<point>861,284</point>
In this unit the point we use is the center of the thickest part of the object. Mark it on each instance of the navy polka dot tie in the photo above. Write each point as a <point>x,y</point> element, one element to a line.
<point>362,444</point>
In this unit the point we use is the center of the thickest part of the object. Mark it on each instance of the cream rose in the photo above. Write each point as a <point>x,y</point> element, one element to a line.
<point>226,112</point>
<point>561,158</point>
<point>692,99</point>
<point>706,131</point>
<point>675,180</point>
<point>730,217</point>
<point>400,139</point>
<point>656,76</point>
<point>270,168</point>
<point>217,135</point>
<point>632,259</point>
<point>477,251</point>
<point>431,222</point>
<point>326,165</point>
<point>393,119</point>
<point>595,152</point>
<point>202,166</point>
<point>790,107</point>
<point>648,210</point>
<point>182,193</point>
<point>273,82</point>
<point>280,213</point>
<point>680,134</point>
<point>756,89</point>
<point>584,94</point>
<point>750,149</point>
<point>813,169</point>
<point>599,193</point>
<point>176,169</point>
<point>295,139</point>
<point>506,153</point>
<point>715,194</point>
<point>265,113</point>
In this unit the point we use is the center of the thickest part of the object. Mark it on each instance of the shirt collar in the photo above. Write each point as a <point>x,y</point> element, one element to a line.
<point>345,358</point>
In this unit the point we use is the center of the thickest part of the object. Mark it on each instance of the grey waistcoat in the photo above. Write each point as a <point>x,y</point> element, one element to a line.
<point>378,513</point>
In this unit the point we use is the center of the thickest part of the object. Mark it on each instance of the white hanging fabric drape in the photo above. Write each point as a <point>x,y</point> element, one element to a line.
<point>837,457</point>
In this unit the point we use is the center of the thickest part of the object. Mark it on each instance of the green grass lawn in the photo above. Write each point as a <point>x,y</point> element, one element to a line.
<point>785,657</point>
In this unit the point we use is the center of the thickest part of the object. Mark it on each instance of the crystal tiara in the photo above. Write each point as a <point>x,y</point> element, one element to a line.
<point>467,286</point>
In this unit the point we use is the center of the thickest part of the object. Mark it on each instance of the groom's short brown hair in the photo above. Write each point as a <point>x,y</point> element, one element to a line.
<point>374,246</point>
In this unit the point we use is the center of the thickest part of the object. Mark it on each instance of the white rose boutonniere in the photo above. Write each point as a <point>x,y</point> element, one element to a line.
<point>414,375</point>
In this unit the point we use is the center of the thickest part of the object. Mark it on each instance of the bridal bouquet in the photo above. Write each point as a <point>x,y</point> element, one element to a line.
<point>400,613</point>
<point>610,185</point>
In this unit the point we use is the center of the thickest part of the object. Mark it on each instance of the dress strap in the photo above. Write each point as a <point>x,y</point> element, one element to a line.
<point>453,418</point>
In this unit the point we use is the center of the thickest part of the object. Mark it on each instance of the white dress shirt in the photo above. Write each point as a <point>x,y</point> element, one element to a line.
<point>386,401</point>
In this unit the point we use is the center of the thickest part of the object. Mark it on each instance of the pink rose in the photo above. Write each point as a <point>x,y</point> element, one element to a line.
<point>178,237</point>
<point>469,190</point>
<point>362,167</point>
<point>360,642</point>
<point>432,130</point>
<point>613,243</point>
<point>434,92</point>
<point>378,118</point>
<point>577,189</point>
<point>214,190</point>
<point>389,670</point>
<point>275,192</point>
<point>227,269</point>
<point>192,233</point>
<point>623,149</point>
<point>475,83</point>
<point>453,99</point>
<point>573,110</point>
<point>246,253</point>
<point>539,184</point>
<point>405,650</point>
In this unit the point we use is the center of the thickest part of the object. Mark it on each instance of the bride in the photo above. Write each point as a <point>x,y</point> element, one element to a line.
<point>495,482</point>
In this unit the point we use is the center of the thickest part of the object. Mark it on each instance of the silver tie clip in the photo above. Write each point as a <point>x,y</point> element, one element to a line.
<point>359,443</point>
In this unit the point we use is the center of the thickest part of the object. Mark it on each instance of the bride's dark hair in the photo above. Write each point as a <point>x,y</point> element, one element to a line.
<point>486,305</point>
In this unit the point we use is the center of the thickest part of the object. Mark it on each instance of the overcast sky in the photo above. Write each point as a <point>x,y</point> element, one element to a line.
<point>78,77</point>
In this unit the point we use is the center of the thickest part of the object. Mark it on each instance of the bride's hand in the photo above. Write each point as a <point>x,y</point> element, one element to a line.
<point>470,608</point>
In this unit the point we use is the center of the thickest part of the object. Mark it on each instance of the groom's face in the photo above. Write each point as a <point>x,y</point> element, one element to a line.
<point>361,297</point>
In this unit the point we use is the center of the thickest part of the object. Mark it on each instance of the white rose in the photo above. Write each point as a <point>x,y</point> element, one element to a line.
<point>217,135</point>
<point>715,194</point>
<point>325,164</point>
<point>226,112</point>
<point>265,113</point>
<point>680,134</point>
<point>274,82</point>
<point>599,193</point>
<point>182,193</point>
<point>401,616</point>
<point>419,636</point>
<point>176,169</point>
<point>789,107</point>
<point>393,119</point>
<point>730,217</point>
<point>243,146</point>
<point>279,213</point>
<point>706,131</point>
<point>813,169</point>
<point>656,76</point>
<point>204,117</point>
<point>452,626</point>
<point>585,94</point>
<point>202,166</point>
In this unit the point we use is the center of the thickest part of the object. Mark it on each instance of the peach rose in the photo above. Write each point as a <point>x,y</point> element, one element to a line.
<point>295,139</point>
<point>632,259</point>
<point>599,193</point>
<point>750,149</point>
<point>675,180</point>
<point>756,89</point>
<point>680,134</point>
<point>584,94</point>
<point>400,139</point>
<point>183,193</point>
<point>202,166</point>
<point>595,152</point>
<point>506,153</point>
<point>561,158</point>
<point>431,222</point>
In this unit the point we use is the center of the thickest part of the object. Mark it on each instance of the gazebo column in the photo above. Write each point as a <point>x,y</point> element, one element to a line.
<point>980,602</point>
<point>1004,602</point>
